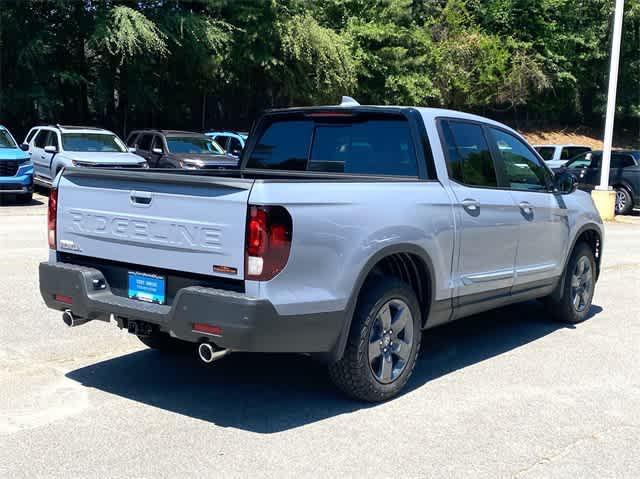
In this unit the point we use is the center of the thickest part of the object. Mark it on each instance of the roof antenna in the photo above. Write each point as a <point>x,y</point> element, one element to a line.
<point>348,101</point>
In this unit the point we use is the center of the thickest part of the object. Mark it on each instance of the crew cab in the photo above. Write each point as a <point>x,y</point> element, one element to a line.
<point>54,147</point>
<point>347,231</point>
<point>16,170</point>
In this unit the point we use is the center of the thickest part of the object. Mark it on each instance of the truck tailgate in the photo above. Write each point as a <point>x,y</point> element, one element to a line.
<point>177,222</point>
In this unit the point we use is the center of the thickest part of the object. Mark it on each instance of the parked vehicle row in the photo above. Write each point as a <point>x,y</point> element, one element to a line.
<point>346,232</point>
<point>232,142</point>
<point>624,175</point>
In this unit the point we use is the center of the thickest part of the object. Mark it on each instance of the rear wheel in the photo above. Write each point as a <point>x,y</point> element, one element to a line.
<point>579,286</point>
<point>163,342</point>
<point>383,342</point>
<point>624,200</point>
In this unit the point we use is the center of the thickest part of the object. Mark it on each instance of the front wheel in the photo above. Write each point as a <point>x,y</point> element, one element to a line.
<point>624,201</point>
<point>579,286</point>
<point>383,342</point>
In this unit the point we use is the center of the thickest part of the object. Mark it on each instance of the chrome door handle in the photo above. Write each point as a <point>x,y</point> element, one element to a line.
<point>471,206</point>
<point>526,208</point>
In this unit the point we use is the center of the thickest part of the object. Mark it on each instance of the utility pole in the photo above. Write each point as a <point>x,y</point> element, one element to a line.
<point>603,195</point>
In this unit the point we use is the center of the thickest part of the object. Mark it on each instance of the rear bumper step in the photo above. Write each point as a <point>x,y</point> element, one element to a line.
<point>245,323</point>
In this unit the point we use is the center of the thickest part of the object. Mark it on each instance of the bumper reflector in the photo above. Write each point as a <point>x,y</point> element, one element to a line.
<point>207,329</point>
<point>63,299</point>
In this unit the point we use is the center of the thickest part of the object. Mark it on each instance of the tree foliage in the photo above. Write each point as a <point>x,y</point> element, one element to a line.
<point>205,63</point>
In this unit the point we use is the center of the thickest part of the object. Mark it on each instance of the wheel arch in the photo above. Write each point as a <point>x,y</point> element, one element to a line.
<point>590,234</point>
<point>408,262</point>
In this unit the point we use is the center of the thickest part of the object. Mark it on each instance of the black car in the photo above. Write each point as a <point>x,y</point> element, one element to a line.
<point>179,149</point>
<point>624,175</point>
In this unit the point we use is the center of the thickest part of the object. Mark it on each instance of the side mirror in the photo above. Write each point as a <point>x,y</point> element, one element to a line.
<point>50,149</point>
<point>24,147</point>
<point>157,151</point>
<point>131,150</point>
<point>566,183</point>
<point>236,152</point>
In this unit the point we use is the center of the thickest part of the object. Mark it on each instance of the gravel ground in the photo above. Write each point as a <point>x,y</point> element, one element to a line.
<point>503,394</point>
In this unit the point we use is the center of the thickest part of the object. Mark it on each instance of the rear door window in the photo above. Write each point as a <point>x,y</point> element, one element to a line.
<point>359,144</point>
<point>621,161</point>
<point>468,156</point>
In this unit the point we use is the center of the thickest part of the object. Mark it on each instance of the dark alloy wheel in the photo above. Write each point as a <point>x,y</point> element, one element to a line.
<point>390,341</point>
<point>579,286</point>
<point>383,342</point>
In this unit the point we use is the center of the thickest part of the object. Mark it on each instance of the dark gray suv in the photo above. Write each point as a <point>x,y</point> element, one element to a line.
<point>179,149</point>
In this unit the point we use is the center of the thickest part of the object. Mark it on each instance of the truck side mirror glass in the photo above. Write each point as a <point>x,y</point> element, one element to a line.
<point>24,147</point>
<point>566,183</point>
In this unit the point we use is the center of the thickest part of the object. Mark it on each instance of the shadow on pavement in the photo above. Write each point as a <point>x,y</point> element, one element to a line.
<point>10,200</point>
<point>269,393</point>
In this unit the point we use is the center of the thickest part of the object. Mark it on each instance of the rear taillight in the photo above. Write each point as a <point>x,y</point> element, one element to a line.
<point>52,213</point>
<point>268,241</point>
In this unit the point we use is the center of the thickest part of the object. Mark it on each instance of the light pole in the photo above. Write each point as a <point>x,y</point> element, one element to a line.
<point>603,196</point>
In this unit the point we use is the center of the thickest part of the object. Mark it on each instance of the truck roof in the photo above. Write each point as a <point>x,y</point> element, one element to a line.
<point>428,114</point>
<point>77,129</point>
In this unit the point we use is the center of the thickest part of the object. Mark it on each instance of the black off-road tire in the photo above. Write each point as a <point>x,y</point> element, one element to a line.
<point>165,343</point>
<point>563,310</point>
<point>352,374</point>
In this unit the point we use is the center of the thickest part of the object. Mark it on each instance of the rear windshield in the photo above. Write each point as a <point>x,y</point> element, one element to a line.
<point>92,142</point>
<point>358,144</point>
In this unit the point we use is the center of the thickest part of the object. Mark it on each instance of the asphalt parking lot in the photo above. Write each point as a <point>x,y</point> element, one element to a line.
<point>503,394</point>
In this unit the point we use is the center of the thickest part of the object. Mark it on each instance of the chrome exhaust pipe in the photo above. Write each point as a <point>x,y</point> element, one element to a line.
<point>208,354</point>
<point>72,320</point>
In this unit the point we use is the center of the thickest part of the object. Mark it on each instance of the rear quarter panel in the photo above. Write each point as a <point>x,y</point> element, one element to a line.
<point>339,226</point>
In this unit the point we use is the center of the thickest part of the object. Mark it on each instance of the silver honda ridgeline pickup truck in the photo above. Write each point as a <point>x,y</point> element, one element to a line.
<point>347,231</point>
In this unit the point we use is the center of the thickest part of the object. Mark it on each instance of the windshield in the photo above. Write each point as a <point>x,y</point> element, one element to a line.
<point>6,141</point>
<point>193,144</point>
<point>546,152</point>
<point>89,142</point>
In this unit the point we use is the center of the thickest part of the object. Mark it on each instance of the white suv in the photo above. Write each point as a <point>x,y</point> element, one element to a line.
<point>556,156</point>
<point>55,147</point>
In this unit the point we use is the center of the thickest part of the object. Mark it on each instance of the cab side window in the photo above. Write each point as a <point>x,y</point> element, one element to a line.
<point>222,140</point>
<point>521,168</point>
<point>31,134</point>
<point>468,156</point>
<point>41,139</point>
<point>52,140</point>
<point>131,141</point>
<point>621,161</point>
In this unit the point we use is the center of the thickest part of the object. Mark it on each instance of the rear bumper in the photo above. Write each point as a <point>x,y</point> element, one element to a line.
<point>248,324</point>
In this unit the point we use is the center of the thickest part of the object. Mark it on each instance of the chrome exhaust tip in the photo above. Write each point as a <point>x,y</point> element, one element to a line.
<point>72,320</point>
<point>208,354</point>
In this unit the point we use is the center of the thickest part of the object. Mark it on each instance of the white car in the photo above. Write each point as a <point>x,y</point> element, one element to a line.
<point>556,156</point>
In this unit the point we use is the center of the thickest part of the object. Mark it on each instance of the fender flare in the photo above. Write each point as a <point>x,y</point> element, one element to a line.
<point>408,248</point>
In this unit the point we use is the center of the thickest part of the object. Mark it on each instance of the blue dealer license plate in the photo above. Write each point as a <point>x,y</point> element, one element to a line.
<point>147,287</point>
